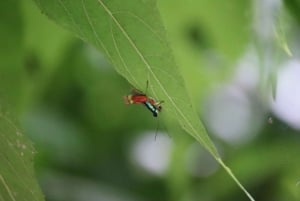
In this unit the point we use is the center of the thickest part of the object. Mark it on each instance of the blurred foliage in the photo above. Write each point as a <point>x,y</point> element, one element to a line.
<point>293,6</point>
<point>69,101</point>
<point>202,43</point>
<point>17,179</point>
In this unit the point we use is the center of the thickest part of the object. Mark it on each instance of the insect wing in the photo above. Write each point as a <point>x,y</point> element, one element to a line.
<point>139,98</point>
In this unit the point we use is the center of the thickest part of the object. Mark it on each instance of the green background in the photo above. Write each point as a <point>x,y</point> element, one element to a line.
<point>64,95</point>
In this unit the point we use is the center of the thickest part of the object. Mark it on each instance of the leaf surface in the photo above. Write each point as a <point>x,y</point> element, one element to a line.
<point>132,36</point>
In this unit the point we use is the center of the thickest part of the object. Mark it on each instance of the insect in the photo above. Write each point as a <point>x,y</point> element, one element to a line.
<point>138,97</point>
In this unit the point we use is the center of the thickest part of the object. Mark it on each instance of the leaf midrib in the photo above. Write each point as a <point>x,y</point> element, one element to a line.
<point>194,131</point>
<point>154,76</point>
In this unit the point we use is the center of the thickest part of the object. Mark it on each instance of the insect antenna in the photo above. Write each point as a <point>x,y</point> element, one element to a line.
<point>156,130</point>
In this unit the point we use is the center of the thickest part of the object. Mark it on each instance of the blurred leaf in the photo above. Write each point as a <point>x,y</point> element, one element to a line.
<point>132,36</point>
<point>17,181</point>
<point>294,7</point>
<point>11,48</point>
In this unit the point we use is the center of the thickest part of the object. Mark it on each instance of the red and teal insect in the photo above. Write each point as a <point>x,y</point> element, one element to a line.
<point>138,97</point>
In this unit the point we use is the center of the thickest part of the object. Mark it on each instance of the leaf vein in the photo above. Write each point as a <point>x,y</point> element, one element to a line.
<point>71,17</point>
<point>98,40</point>
<point>7,188</point>
<point>120,56</point>
<point>141,20</point>
<point>213,152</point>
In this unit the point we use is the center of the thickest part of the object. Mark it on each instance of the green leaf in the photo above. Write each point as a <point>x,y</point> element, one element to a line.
<point>132,36</point>
<point>17,180</point>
